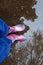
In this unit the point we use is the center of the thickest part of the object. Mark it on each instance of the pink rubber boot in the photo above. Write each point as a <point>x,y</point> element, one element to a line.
<point>14,37</point>
<point>16,28</point>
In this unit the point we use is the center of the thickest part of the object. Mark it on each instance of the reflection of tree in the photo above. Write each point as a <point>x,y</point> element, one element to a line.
<point>12,10</point>
<point>38,47</point>
<point>32,54</point>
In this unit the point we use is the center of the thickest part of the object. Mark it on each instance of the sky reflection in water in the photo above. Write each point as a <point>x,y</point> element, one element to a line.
<point>38,24</point>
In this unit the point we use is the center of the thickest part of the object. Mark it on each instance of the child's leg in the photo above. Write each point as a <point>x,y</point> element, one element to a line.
<point>5,45</point>
<point>4,28</point>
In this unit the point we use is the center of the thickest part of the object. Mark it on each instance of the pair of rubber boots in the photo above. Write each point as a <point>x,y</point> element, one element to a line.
<point>16,28</point>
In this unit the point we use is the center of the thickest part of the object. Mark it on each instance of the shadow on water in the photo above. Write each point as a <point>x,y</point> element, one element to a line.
<point>12,10</point>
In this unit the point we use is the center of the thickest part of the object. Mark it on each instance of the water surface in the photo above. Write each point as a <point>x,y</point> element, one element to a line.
<point>38,24</point>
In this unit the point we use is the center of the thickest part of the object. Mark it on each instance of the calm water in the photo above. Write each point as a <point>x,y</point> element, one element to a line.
<point>38,24</point>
